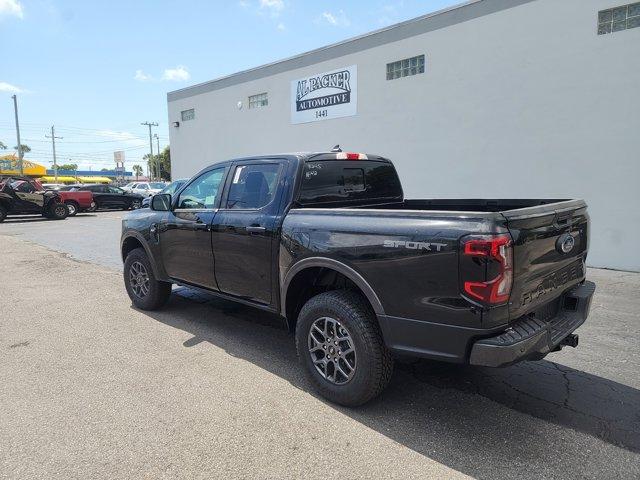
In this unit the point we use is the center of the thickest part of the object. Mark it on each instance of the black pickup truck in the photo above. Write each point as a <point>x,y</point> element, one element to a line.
<point>361,274</point>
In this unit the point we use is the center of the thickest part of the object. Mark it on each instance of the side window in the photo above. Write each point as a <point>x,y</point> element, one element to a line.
<point>26,187</point>
<point>203,192</point>
<point>253,186</point>
<point>114,190</point>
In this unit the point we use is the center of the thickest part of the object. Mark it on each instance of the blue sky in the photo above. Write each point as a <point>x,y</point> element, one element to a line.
<point>96,69</point>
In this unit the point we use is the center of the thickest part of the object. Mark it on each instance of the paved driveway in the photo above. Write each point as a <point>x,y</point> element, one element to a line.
<point>91,387</point>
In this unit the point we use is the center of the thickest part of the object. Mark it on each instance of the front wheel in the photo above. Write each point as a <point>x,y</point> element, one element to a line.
<point>340,346</point>
<point>136,204</point>
<point>145,291</point>
<point>73,208</point>
<point>58,211</point>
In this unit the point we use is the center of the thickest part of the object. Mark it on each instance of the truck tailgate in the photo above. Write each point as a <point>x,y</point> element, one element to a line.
<point>550,245</point>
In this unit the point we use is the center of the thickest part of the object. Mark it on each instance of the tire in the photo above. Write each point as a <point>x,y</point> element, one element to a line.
<point>58,211</point>
<point>157,292</point>
<point>3,213</point>
<point>136,204</point>
<point>73,208</point>
<point>92,208</point>
<point>372,361</point>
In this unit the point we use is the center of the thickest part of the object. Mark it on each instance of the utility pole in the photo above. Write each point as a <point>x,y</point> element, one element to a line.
<point>155,135</point>
<point>150,124</point>
<point>15,109</point>
<point>53,143</point>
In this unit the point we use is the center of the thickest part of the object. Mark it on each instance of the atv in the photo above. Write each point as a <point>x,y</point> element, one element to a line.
<point>19,195</point>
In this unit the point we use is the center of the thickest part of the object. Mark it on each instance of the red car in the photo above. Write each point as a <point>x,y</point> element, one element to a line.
<point>76,201</point>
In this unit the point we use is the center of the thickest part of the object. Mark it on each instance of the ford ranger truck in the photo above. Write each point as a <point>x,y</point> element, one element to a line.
<point>362,275</point>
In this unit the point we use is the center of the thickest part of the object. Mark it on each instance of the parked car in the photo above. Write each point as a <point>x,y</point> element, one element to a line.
<point>52,186</point>
<point>361,274</point>
<point>127,188</point>
<point>19,195</point>
<point>147,189</point>
<point>76,201</point>
<point>170,189</point>
<point>107,196</point>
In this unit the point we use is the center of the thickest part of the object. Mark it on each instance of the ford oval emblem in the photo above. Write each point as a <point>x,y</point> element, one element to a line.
<point>565,243</point>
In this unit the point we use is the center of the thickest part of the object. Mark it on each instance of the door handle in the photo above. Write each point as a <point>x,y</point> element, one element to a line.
<point>256,230</point>
<point>200,226</point>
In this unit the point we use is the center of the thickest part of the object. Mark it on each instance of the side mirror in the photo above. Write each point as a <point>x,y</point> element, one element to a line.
<point>161,202</point>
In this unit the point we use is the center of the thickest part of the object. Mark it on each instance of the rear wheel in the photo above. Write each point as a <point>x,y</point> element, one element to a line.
<point>136,204</point>
<point>3,213</point>
<point>340,346</point>
<point>145,291</point>
<point>73,208</point>
<point>58,211</point>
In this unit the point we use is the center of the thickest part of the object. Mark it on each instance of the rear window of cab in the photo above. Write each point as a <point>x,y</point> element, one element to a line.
<point>329,181</point>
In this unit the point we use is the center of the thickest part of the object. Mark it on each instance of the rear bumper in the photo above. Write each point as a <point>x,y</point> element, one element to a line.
<point>530,337</point>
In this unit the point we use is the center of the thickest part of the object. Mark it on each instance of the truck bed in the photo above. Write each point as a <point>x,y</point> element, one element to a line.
<point>465,205</point>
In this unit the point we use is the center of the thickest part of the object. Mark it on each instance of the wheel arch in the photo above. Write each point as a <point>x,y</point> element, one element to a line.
<point>133,240</point>
<point>297,285</point>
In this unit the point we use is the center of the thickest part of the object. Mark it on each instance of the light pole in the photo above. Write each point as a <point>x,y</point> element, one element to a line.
<point>15,109</point>
<point>150,124</point>
<point>53,143</point>
<point>158,164</point>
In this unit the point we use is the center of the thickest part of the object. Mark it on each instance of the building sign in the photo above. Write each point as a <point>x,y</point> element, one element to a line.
<point>118,157</point>
<point>325,95</point>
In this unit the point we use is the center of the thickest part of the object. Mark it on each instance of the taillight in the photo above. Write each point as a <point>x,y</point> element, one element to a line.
<point>350,156</point>
<point>495,254</point>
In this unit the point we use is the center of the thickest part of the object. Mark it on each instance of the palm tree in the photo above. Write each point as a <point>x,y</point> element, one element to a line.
<point>137,169</point>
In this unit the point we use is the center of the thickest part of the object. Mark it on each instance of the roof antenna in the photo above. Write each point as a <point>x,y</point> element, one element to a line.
<point>336,149</point>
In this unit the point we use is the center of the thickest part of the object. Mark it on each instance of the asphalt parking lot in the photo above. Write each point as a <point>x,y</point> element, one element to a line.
<point>92,388</point>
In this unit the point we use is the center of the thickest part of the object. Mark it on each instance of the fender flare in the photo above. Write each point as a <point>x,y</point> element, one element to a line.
<point>332,264</point>
<point>157,271</point>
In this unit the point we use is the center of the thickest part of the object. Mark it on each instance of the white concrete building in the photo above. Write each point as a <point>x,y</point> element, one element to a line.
<point>495,98</point>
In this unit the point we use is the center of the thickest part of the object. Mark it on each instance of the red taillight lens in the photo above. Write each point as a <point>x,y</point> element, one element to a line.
<point>351,156</point>
<point>492,249</point>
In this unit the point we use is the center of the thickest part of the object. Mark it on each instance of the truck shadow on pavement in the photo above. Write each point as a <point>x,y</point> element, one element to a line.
<point>468,418</point>
<point>39,218</point>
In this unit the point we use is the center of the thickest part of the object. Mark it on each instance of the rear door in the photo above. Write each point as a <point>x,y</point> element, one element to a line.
<point>245,228</point>
<point>550,245</point>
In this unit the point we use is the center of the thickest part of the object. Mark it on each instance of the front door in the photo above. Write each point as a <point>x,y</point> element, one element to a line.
<point>28,199</point>
<point>245,228</point>
<point>185,235</point>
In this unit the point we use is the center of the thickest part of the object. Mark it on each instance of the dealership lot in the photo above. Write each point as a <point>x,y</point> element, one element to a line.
<point>206,388</point>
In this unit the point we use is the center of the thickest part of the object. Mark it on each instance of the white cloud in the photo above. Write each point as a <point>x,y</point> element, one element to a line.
<point>142,77</point>
<point>281,27</point>
<point>337,20</point>
<point>276,6</point>
<point>178,74</point>
<point>11,7</point>
<point>7,87</point>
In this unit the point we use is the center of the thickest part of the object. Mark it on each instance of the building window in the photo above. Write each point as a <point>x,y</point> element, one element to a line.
<point>619,18</point>
<point>405,68</point>
<point>257,101</point>
<point>188,114</point>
